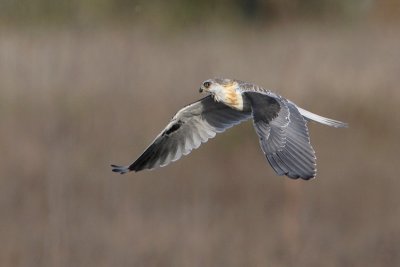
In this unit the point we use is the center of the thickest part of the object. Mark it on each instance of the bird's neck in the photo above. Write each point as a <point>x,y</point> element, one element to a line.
<point>230,96</point>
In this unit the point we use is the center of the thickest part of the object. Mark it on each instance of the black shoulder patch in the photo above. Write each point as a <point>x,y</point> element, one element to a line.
<point>265,108</point>
<point>173,128</point>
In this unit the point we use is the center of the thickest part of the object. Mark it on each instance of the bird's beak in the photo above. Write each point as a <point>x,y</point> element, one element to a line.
<point>200,90</point>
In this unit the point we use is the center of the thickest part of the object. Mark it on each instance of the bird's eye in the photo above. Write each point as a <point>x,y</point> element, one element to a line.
<point>206,84</point>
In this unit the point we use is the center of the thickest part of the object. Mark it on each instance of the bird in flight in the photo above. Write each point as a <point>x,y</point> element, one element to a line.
<point>279,123</point>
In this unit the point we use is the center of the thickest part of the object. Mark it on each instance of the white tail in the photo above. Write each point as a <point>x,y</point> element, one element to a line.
<point>317,118</point>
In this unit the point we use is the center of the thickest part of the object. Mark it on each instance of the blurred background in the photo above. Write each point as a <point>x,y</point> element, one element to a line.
<point>84,84</point>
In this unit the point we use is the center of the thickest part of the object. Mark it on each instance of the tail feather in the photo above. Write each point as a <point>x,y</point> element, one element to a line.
<point>317,118</point>
<point>120,169</point>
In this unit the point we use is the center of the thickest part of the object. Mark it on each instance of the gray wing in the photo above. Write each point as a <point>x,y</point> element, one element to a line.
<point>309,116</point>
<point>283,135</point>
<point>191,126</point>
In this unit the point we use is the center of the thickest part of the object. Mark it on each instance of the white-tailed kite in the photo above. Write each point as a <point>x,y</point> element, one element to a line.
<point>280,124</point>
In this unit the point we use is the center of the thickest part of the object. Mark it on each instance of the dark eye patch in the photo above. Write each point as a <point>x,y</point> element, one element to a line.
<point>206,84</point>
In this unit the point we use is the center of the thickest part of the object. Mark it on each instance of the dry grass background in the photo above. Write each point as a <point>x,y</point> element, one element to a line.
<point>72,102</point>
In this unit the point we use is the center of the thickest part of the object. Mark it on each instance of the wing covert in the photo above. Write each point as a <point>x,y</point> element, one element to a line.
<point>191,126</point>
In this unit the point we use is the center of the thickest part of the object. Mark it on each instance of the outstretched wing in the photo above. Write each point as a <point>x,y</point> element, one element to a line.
<point>283,135</point>
<point>307,115</point>
<point>191,126</point>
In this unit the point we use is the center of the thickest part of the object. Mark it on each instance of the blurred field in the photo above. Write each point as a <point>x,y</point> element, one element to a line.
<point>74,101</point>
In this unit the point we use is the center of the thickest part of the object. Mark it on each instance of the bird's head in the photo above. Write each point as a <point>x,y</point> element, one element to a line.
<point>218,87</point>
<point>223,90</point>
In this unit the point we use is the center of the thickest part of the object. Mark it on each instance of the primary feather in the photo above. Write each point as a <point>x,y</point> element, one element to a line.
<point>280,124</point>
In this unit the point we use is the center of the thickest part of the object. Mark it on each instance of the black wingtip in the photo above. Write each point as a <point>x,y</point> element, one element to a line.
<point>282,167</point>
<point>302,177</point>
<point>120,169</point>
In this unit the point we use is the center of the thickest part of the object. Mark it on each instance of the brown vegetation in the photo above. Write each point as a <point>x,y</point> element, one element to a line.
<point>73,102</point>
